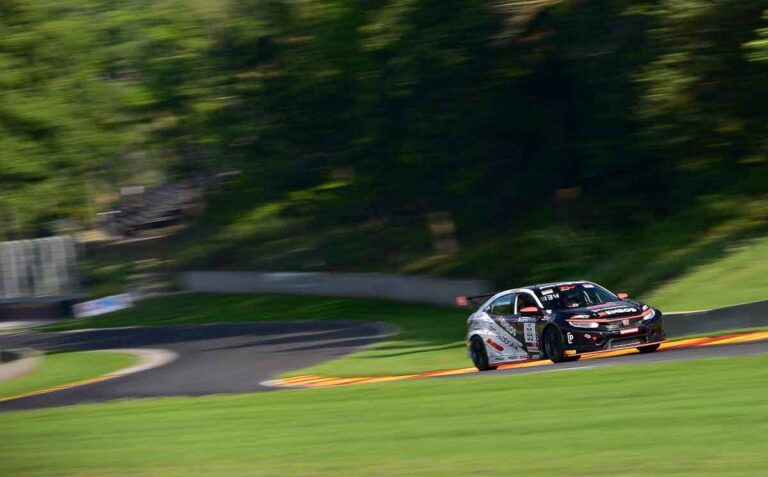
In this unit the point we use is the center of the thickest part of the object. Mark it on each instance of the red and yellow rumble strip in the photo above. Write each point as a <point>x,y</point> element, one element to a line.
<point>314,381</point>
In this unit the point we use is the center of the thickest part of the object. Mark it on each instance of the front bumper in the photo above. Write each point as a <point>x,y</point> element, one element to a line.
<point>580,340</point>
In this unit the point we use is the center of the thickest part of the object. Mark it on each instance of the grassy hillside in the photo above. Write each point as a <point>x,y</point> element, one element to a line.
<point>636,259</point>
<point>664,419</point>
<point>740,276</point>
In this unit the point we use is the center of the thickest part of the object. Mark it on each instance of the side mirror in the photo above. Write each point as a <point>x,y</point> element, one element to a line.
<point>530,310</point>
<point>622,296</point>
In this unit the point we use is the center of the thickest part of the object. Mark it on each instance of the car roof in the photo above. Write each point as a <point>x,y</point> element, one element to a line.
<point>555,284</point>
<point>534,288</point>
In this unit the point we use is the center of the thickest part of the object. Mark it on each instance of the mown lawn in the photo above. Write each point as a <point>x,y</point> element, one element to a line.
<point>697,418</point>
<point>63,368</point>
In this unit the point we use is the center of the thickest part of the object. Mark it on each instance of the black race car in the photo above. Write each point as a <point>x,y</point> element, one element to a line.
<point>557,321</point>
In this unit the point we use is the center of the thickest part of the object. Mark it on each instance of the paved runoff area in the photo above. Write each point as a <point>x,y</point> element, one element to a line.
<point>199,360</point>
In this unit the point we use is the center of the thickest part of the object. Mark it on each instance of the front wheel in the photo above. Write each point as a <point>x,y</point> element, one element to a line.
<point>648,349</point>
<point>554,348</point>
<point>479,354</point>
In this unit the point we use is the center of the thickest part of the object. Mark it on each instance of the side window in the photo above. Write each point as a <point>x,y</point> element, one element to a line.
<point>501,306</point>
<point>523,300</point>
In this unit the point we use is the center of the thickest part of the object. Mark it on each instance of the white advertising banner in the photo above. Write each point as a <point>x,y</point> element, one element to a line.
<point>100,306</point>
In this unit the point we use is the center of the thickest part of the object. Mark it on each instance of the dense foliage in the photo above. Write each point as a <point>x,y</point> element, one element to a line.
<point>478,116</point>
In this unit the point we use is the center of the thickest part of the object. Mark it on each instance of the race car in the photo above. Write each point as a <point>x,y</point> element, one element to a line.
<point>557,321</point>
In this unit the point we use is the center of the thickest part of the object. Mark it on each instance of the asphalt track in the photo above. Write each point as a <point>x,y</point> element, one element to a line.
<point>234,358</point>
<point>736,344</point>
<point>212,359</point>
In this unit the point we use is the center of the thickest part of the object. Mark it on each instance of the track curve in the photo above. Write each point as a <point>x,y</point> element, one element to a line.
<point>234,358</point>
<point>212,359</point>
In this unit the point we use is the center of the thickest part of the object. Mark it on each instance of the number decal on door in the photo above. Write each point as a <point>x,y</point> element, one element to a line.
<point>530,333</point>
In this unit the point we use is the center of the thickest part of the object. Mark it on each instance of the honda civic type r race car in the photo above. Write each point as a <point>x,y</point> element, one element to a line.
<point>557,321</point>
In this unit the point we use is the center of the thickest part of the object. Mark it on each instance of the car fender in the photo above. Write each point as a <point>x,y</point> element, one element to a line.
<point>500,346</point>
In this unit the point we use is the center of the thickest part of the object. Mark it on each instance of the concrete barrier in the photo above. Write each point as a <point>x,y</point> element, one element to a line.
<point>439,291</point>
<point>745,315</point>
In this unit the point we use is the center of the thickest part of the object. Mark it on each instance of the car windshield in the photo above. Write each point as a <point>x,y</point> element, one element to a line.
<point>575,295</point>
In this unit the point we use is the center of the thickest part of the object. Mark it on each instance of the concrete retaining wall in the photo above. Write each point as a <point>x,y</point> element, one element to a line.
<point>746,315</point>
<point>439,291</point>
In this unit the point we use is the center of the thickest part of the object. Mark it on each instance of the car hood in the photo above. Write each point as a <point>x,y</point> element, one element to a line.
<point>614,309</point>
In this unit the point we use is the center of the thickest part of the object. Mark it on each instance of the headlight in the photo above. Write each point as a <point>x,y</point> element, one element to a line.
<point>583,324</point>
<point>649,314</point>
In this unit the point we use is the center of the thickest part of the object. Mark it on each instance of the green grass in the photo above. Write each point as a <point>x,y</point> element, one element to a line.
<point>430,337</point>
<point>697,418</point>
<point>63,368</point>
<point>104,278</point>
<point>740,276</point>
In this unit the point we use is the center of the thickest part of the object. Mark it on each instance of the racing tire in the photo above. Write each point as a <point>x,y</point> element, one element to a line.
<point>479,354</point>
<point>554,349</point>
<point>648,349</point>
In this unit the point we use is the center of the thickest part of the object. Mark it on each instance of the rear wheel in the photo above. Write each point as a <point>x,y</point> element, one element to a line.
<point>554,347</point>
<point>479,354</point>
<point>648,349</point>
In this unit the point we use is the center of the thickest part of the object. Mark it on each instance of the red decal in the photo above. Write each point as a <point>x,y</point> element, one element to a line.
<point>628,331</point>
<point>495,344</point>
<point>567,287</point>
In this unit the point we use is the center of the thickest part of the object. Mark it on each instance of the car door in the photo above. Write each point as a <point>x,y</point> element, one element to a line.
<point>525,323</point>
<point>501,311</point>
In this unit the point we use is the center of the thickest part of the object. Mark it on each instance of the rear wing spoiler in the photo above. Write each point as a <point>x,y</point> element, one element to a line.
<point>473,301</point>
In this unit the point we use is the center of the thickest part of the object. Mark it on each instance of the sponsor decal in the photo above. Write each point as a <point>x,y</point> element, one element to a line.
<point>570,337</point>
<point>554,296</point>
<point>628,331</point>
<point>495,345</point>
<point>546,292</point>
<point>616,311</point>
<point>587,336</point>
<point>567,287</point>
<point>511,342</point>
<point>527,319</point>
<point>507,327</point>
<point>625,322</point>
<point>588,285</point>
